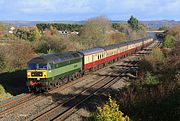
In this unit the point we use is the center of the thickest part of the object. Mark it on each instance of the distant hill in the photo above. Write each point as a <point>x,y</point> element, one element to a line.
<point>151,24</point>
<point>160,23</point>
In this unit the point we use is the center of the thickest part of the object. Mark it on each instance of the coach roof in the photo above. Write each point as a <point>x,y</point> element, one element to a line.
<point>91,51</point>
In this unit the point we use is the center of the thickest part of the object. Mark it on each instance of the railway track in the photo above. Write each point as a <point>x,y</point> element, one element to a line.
<point>26,100</point>
<point>5,107</point>
<point>19,106</point>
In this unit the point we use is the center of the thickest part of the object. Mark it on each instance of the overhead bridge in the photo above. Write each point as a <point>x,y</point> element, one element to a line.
<point>155,31</point>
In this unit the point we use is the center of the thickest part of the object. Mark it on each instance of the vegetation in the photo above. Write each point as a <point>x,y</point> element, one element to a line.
<point>152,62</point>
<point>31,34</point>
<point>149,79</point>
<point>15,55</point>
<point>95,32</point>
<point>134,23</point>
<point>3,94</point>
<point>109,112</point>
<point>168,41</point>
<point>59,26</point>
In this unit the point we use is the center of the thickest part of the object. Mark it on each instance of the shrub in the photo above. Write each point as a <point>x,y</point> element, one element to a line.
<point>158,55</point>
<point>168,41</point>
<point>3,94</point>
<point>49,46</point>
<point>109,112</point>
<point>149,79</point>
<point>153,61</point>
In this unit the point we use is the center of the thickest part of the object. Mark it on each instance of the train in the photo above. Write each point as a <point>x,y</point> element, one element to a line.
<point>54,70</point>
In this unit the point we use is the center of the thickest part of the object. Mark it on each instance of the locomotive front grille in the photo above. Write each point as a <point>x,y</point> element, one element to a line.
<point>36,74</point>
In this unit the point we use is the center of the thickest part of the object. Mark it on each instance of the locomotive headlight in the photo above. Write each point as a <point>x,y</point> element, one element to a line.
<point>29,74</point>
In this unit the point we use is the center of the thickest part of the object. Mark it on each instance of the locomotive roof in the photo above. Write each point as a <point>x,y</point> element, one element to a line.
<point>91,51</point>
<point>56,57</point>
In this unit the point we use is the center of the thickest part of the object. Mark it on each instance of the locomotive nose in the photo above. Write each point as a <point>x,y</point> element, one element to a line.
<point>36,74</point>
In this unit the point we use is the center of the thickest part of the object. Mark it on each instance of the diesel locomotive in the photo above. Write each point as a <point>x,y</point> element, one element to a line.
<point>53,70</point>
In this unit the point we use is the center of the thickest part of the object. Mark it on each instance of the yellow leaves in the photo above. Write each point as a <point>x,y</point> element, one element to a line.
<point>109,112</point>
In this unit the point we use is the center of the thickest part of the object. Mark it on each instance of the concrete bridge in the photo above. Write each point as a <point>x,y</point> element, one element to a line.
<point>155,31</point>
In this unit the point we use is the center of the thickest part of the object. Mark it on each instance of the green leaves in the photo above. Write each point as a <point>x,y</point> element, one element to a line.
<point>168,41</point>
<point>149,79</point>
<point>133,22</point>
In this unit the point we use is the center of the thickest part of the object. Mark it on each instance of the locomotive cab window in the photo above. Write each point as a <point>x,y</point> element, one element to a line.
<point>42,66</point>
<point>32,66</point>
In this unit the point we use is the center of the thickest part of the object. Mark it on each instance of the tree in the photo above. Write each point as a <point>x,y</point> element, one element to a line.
<point>94,32</point>
<point>52,30</point>
<point>34,35</point>
<point>133,22</point>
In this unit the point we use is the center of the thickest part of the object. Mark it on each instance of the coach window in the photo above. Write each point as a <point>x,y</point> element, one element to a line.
<point>88,59</point>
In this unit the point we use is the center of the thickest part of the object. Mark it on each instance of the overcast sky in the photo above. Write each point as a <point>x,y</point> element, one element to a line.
<point>84,9</point>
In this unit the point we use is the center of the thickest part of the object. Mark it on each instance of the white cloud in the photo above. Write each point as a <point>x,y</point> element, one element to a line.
<point>55,6</point>
<point>86,8</point>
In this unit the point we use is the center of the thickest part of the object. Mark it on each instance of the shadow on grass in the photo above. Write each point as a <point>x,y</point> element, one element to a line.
<point>14,82</point>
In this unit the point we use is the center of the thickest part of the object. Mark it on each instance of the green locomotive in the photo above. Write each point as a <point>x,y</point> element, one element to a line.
<point>53,70</point>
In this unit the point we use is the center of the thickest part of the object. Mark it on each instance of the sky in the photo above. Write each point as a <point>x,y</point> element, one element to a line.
<point>59,10</point>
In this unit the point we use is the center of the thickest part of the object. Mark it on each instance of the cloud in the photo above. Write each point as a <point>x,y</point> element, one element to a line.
<point>82,9</point>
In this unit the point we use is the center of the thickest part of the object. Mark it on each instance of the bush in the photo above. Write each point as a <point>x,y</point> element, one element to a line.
<point>149,79</point>
<point>152,62</point>
<point>168,41</point>
<point>158,55</point>
<point>3,94</point>
<point>109,112</point>
<point>51,45</point>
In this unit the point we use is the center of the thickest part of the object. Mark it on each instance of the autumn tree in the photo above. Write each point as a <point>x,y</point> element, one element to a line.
<point>94,32</point>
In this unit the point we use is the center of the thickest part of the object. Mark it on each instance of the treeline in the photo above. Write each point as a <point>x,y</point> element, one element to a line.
<point>59,26</point>
<point>45,39</point>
